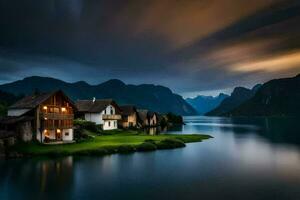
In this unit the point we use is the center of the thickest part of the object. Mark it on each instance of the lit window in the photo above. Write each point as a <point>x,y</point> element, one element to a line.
<point>58,130</point>
<point>63,109</point>
<point>45,107</point>
<point>46,132</point>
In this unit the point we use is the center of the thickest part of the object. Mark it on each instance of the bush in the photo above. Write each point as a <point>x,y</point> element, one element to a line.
<point>163,122</point>
<point>170,143</point>
<point>146,146</point>
<point>174,119</point>
<point>126,149</point>
<point>150,141</point>
<point>3,110</point>
<point>83,124</point>
<point>110,132</point>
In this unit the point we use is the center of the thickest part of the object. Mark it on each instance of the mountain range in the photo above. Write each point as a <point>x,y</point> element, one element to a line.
<point>204,104</point>
<point>237,97</point>
<point>146,96</point>
<point>278,97</point>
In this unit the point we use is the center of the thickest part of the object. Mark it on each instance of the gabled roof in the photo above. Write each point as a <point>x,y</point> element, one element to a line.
<point>143,114</point>
<point>96,106</point>
<point>32,101</point>
<point>14,119</point>
<point>128,109</point>
<point>150,114</point>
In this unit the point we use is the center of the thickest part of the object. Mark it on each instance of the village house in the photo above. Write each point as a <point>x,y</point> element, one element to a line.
<point>48,115</point>
<point>129,116</point>
<point>104,112</point>
<point>147,118</point>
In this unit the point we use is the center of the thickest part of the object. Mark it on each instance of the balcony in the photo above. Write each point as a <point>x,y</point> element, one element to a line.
<point>63,126</point>
<point>111,117</point>
<point>57,116</point>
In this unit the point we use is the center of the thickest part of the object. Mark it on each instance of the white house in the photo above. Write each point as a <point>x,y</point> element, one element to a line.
<point>101,111</point>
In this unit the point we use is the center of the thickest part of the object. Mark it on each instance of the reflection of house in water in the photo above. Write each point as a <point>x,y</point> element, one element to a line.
<point>45,178</point>
<point>56,176</point>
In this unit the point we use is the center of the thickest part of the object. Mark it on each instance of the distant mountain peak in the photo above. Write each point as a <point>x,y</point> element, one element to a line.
<point>204,104</point>
<point>223,95</point>
<point>40,78</point>
<point>256,87</point>
<point>114,82</point>
<point>237,97</point>
<point>81,83</point>
<point>277,97</point>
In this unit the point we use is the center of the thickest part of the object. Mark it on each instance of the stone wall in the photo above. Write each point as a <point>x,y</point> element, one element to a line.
<point>25,131</point>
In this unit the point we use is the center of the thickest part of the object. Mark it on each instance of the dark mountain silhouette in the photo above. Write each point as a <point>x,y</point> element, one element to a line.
<point>278,97</point>
<point>237,97</point>
<point>146,96</point>
<point>204,104</point>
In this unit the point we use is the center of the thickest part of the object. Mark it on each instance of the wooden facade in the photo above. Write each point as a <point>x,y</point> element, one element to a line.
<point>53,115</point>
<point>56,115</point>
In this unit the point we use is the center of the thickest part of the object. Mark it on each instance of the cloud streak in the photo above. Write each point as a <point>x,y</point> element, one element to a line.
<point>189,46</point>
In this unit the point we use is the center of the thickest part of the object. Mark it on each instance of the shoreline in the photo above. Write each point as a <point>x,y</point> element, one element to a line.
<point>121,143</point>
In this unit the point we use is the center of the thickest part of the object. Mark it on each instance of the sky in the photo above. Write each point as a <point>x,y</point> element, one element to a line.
<point>193,47</point>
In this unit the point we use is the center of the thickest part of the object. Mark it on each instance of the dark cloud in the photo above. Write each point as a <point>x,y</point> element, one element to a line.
<point>190,46</point>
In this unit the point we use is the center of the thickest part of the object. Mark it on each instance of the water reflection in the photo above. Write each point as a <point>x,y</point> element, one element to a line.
<point>43,176</point>
<point>249,158</point>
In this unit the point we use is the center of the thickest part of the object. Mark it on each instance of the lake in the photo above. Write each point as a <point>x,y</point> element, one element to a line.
<point>248,158</point>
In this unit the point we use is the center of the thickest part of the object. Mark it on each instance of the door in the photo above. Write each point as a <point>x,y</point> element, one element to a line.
<point>58,134</point>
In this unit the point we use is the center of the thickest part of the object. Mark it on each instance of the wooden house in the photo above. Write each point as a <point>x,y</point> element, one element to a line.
<point>129,116</point>
<point>52,116</point>
<point>147,118</point>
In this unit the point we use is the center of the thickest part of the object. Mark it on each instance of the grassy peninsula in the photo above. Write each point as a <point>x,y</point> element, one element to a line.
<point>117,141</point>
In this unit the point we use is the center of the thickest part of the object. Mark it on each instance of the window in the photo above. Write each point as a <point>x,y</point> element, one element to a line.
<point>115,124</point>
<point>111,111</point>
<point>66,133</point>
<point>108,123</point>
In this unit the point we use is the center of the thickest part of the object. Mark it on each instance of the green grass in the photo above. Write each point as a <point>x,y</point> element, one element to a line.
<point>112,142</point>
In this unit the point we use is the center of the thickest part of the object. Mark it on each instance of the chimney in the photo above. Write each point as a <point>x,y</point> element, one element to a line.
<point>94,99</point>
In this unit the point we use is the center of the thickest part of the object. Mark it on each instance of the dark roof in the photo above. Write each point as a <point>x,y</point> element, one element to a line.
<point>128,109</point>
<point>143,114</point>
<point>12,119</point>
<point>95,107</point>
<point>151,114</point>
<point>32,101</point>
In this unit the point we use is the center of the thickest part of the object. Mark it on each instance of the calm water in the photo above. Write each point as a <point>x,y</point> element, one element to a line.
<point>247,159</point>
